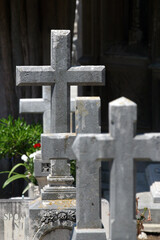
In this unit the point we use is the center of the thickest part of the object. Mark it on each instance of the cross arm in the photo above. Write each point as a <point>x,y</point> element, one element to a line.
<point>86,75</point>
<point>57,145</point>
<point>34,75</point>
<point>35,105</point>
<point>98,146</point>
<point>147,146</point>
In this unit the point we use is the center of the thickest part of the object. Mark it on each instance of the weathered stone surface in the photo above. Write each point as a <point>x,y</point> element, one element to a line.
<point>122,147</point>
<point>153,177</point>
<point>87,115</point>
<point>14,219</point>
<point>47,216</point>
<point>62,234</point>
<point>61,75</point>
<point>39,105</point>
<point>89,234</point>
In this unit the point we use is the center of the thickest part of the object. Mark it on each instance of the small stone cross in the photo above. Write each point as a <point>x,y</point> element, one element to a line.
<point>39,105</point>
<point>58,148</point>
<point>123,148</point>
<point>61,76</point>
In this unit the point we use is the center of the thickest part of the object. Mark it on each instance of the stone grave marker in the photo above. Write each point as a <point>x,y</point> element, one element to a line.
<point>60,181</point>
<point>61,76</point>
<point>42,167</point>
<point>122,147</point>
<point>87,112</point>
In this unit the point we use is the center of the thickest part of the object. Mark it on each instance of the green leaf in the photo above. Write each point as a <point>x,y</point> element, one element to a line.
<point>8,172</point>
<point>26,189</point>
<point>13,178</point>
<point>16,166</point>
<point>4,172</point>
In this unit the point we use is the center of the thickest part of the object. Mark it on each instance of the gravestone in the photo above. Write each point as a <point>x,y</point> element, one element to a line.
<point>42,166</point>
<point>60,75</point>
<point>122,147</point>
<point>60,181</point>
<point>87,112</point>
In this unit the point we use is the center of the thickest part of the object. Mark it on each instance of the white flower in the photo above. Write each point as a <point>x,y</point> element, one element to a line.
<point>32,155</point>
<point>24,158</point>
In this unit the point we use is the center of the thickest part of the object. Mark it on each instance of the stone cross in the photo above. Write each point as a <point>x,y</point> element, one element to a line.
<point>60,181</point>
<point>39,105</point>
<point>61,76</point>
<point>123,148</point>
<point>42,166</point>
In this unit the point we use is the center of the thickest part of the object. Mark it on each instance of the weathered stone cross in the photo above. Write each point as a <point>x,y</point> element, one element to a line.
<point>59,181</point>
<point>61,76</point>
<point>123,148</point>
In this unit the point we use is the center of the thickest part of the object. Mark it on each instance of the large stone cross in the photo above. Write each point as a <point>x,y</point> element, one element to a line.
<point>61,76</point>
<point>123,148</point>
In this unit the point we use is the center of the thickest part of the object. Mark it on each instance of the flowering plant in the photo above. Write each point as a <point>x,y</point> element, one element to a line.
<point>17,137</point>
<point>29,169</point>
<point>140,216</point>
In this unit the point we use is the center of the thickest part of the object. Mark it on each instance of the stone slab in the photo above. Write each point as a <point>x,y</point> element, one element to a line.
<point>153,177</point>
<point>89,234</point>
<point>14,219</point>
<point>59,192</point>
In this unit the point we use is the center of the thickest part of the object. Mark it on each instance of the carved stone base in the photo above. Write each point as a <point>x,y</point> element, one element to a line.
<point>48,216</point>
<point>58,192</point>
<point>60,180</point>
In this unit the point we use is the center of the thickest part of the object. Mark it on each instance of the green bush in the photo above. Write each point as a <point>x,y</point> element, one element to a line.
<point>17,137</point>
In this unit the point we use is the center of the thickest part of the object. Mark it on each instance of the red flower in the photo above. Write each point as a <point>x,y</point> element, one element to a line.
<point>37,145</point>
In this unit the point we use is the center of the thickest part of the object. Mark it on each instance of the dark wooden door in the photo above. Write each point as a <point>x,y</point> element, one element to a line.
<point>125,37</point>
